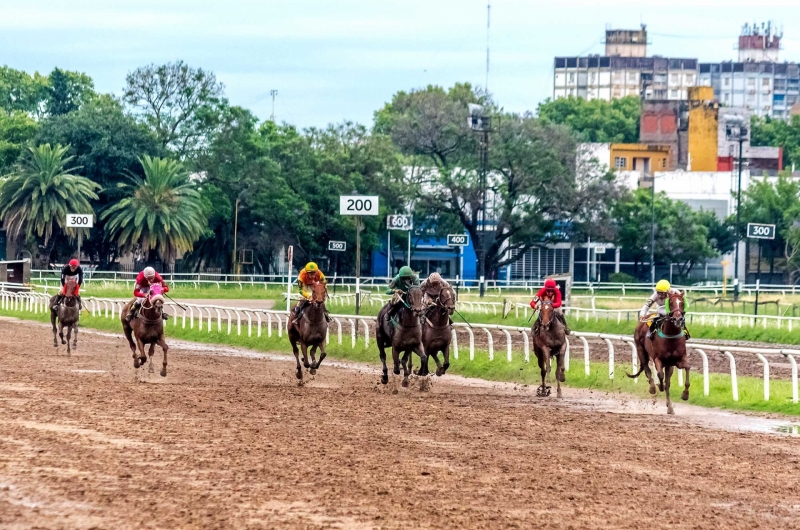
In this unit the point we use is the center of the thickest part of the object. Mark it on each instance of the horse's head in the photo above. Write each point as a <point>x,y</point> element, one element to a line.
<point>675,308</point>
<point>319,292</point>
<point>447,300</point>
<point>153,306</point>
<point>546,313</point>
<point>414,301</point>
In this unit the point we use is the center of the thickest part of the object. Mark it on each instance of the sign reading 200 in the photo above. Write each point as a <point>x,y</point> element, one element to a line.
<point>358,205</point>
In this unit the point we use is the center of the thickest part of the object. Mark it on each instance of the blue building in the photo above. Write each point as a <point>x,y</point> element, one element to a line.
<point>427,255</point>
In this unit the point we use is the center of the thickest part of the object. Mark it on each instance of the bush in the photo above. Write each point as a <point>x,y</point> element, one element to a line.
<point>621,277</point>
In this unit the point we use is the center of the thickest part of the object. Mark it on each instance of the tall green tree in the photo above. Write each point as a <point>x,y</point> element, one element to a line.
<point>162,212</point>
<point>778,133</point>
<point>595,120</point>
<point>182,105</point>
<point>17,130</point>
<point>67,91</point>
<point>20,91</point>
<point>38,196</point>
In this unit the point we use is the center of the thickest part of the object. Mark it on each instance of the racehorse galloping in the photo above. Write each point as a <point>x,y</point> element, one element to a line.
<point>310,330</point>
<point>667,349</point>
<point>148,328</point>
<point>547,343</point>
<point>67,313</point>
<point>436,330</point>
<point>403,333</point>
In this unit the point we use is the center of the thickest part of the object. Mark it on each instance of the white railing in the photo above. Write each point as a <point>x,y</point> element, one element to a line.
<point>223,317</point>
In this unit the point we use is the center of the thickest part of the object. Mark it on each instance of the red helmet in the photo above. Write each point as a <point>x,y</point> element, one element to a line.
<point>74,263</point>
<point>550,283</point>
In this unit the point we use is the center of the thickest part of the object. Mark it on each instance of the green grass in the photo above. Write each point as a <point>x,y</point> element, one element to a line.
<point>517,371</point>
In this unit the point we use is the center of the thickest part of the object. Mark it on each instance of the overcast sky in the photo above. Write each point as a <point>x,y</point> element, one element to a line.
<point>332,60</point>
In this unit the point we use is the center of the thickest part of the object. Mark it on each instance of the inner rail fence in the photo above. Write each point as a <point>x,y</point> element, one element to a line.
<point>230,320</point>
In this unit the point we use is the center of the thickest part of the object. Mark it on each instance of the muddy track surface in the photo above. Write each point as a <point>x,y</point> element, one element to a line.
<point>227,440</point>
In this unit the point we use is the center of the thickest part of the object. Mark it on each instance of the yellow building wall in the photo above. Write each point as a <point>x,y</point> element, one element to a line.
<point>659,158</point>
<point>703,128</point>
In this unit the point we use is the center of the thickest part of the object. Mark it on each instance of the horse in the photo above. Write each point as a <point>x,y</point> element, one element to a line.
<point>547,343</point>
<point>403,333</point>
<point>667,349</point>
<point>148,327</point>
<point>436,330</point>
<point>68,313</point>
<point>310,330</point>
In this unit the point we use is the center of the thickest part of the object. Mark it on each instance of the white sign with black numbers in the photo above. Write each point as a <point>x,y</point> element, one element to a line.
<point>358,205</point>
<point>80,220</point>
<point>339,246</point>
<point>457,240</point>
<point>400,222</point>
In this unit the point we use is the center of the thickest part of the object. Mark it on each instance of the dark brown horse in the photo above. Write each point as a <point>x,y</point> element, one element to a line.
<point>310,330</point>
<point>148,328</point>
<point>548,343</point>
<point>403,333</point>
<point>437,333</point>
<point>667,348</point>
<point>67,313</point>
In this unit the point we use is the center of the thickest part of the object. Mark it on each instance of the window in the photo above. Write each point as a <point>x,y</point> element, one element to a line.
<point>751,81</point>
<point>663,163</point>
<point>620,162</point>
<point>571,78</point>
<point>765,81</point>
<point>690,80</point>
<point>673,94</point>
<point>673,79</point>
<point>726,81</point>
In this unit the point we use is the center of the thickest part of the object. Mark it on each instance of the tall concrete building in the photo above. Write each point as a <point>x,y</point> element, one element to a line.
<point>624,70</point>
<point>757,81</point>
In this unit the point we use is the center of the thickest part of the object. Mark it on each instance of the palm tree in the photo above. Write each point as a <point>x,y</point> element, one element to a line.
<point>40,194</point>
<point>162,211</point>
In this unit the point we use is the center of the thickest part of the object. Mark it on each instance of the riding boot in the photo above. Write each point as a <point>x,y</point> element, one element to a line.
<point>686,333</point>
<point>57,301</point>
<point>298,311</point>
<point>165,316</point>
<point>536,325</point>
<point>328,316</point>
<point>80,303</point>
<point>131,313</point>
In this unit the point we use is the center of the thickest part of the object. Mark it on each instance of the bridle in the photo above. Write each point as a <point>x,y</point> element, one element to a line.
<point>546,325</point>
<point>676,317</point>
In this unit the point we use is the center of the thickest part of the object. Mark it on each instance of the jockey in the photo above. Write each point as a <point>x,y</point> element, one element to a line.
<point>400,285</point>
<point>551,293</point>
<point>71,273</point>
<point>306,278</point>
<point>432,287</point>
<point>659,298</point>
<point>141,290</point>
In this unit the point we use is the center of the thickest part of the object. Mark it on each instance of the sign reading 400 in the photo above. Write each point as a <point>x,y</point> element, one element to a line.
<point>358,205</point>
<point>80,220</point>
<point>457,240</point>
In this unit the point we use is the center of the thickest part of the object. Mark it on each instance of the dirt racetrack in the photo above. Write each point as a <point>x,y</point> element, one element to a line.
<point>228,440</point>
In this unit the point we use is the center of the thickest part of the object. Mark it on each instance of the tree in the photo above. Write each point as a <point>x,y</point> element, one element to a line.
<point>37,198</point>
<point>107,144</point>
<point>17,129</point>
<point>67,91</point>
<point>681,234</point>
<point>595,120</point>
<point>182,105</point>
<point>22,92</point>
<point>162,212</point>
<point>534,190</point>
<point>778,133</point>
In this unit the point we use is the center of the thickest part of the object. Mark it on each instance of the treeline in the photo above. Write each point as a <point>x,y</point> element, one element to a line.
<point>165,166</point>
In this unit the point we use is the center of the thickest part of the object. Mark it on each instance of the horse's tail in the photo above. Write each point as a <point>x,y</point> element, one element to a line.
<point>637,374</point>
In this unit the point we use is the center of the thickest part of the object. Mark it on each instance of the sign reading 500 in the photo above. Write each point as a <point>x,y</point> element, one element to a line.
<point>358,205</point>
<point>79,220</point>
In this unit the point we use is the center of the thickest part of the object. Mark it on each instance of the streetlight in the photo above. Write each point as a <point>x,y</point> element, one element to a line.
<point>480,123</point>
<point>736,130</point>
<point>234,261</point>
<point>652,179</point>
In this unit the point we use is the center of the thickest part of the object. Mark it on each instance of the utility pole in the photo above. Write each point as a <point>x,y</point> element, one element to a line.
<point>488,19</point>
<point>653,230</point>
<point>480,123</point>
<point>273,93</point>
<point>737,131</point>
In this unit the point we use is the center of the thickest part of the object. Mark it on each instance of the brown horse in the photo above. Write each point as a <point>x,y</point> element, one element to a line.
<point>148,327</point>
<point>311,330</point>
<point>437,333</point>
<point>67,313</point>
<point>667,348</point>
<point>403,333</point>
<point>547,343</point>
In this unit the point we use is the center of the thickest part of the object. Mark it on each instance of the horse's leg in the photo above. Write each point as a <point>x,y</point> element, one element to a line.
<point>439,368</point>
<point>644,361</point>
<point>75,340</point>
<point>547,364</point>
<point>164,348</point>
<point>446,355</point>
<point>406,357</point>
<point>322,354</point>
<point>313,368</point>
<point>141,358</point>
<point>150,353</point>
<point>660,373</point>
<point>540,360</point>
<point>69,339</point>
<point>396,360</point>
<point>382,354</point>
<point>685,394</point>
<point>423,359</point>
<point>668,371</point>
<point>304,347</point>
<point>55,329</point>
<point>61,332</point>
<point>296,351</point>
<point>559,373</point>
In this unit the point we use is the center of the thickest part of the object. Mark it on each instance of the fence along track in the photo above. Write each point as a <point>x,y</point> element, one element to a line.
<point>208,317</point>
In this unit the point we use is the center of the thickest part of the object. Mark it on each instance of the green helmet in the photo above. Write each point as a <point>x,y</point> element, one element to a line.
<point>406,272</point>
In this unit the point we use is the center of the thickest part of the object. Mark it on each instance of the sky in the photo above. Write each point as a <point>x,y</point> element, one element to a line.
<point>336,60</point>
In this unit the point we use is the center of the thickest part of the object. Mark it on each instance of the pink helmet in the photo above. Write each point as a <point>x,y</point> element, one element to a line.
<point>550,283</point>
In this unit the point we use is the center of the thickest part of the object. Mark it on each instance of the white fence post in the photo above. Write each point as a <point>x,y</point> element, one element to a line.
<point>610,358</point>
<point>734,380</point>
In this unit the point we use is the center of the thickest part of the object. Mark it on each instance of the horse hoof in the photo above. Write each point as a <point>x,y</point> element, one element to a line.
<point>405,383</point>
<point>63,341</point>
<point>685,395</point>
<point>561,377</point>
<point>136,363</point>
<point>313,371</point>
<point>670,411</point>
<point>653,390</point>
<point>384,379</point>
<point>439,372</point>
<point>660,388</point>
<point>299,374</point>
<point>559,394</point>
<point>307,365</point>
<point>163,372</point>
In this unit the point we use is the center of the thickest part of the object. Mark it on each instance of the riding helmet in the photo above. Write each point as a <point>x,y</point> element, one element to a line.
<point>662,286</point>
<point>311,267</point>
<point>74,263</point>
<point>550,283</point>
<point>406,272</point>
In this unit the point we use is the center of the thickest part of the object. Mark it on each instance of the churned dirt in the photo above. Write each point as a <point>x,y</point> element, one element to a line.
<point>229,440</point>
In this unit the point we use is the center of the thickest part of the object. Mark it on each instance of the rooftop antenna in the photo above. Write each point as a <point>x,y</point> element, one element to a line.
<point>273,93</point>
<point>488,19</point>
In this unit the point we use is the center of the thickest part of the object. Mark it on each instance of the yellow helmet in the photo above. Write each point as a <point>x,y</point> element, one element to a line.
<point>662,286</point>
<point>311,267</point>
